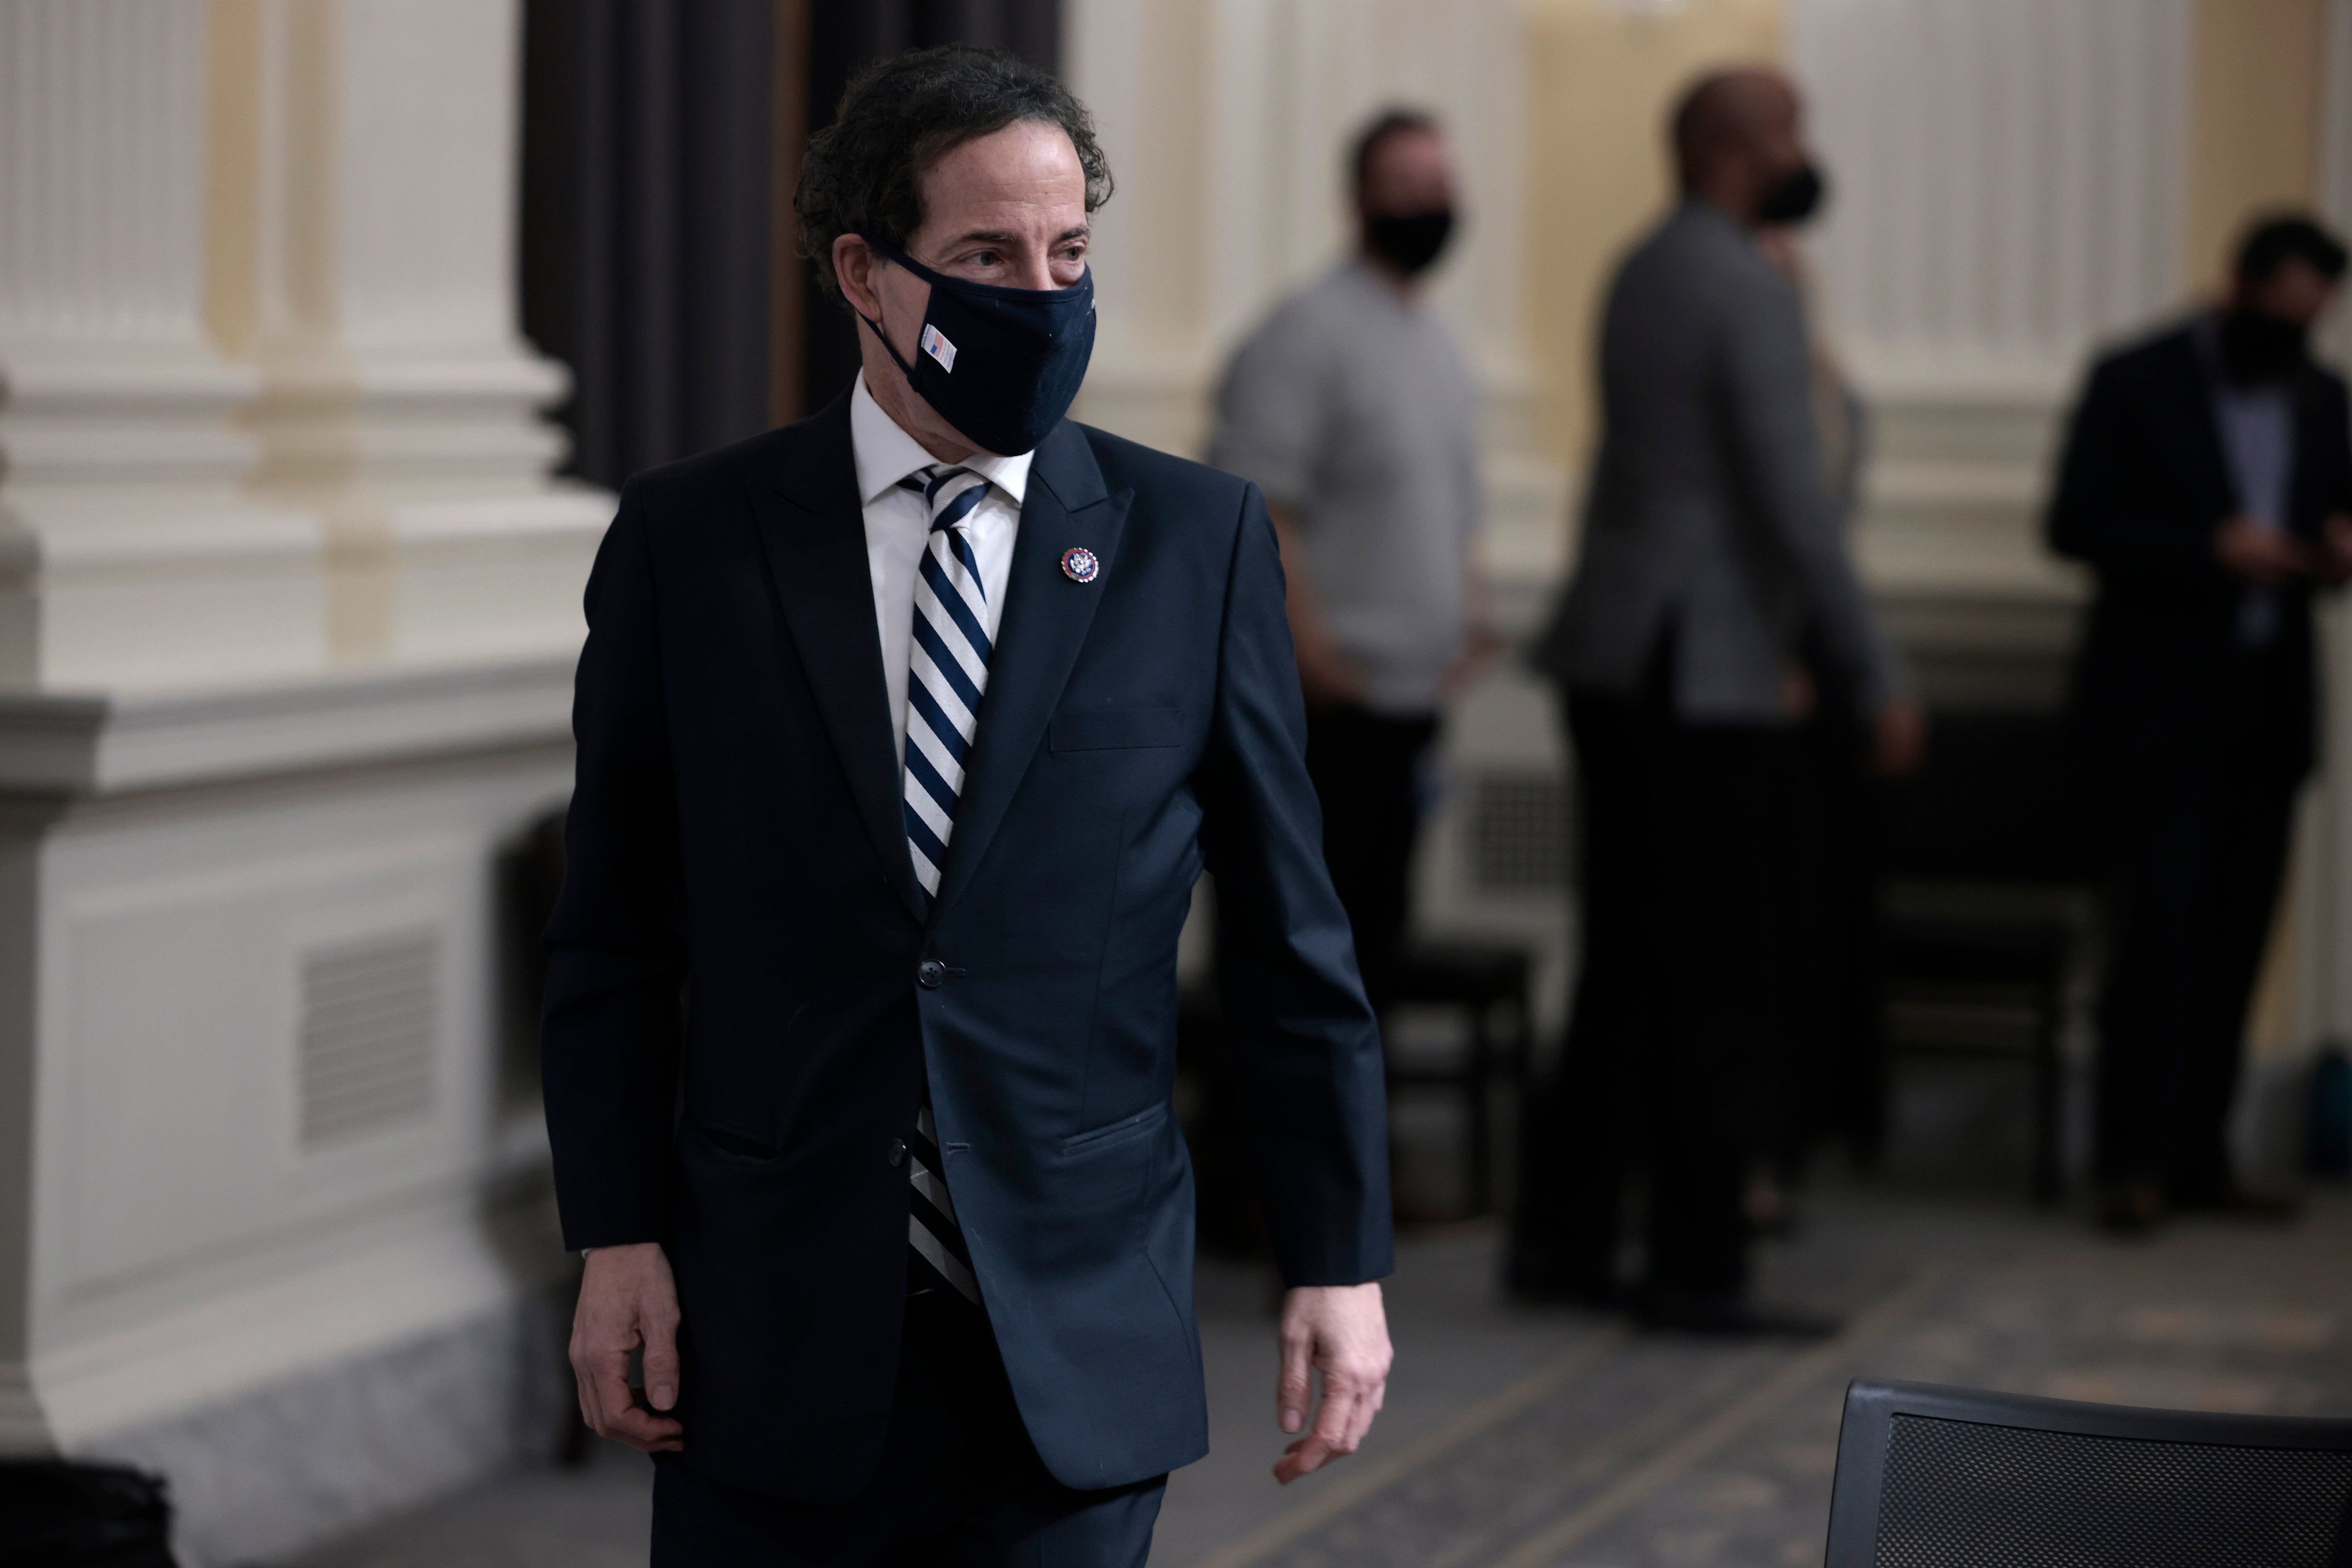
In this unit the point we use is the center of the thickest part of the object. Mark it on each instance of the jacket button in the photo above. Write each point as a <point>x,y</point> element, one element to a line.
<point>931,975</point>
<point>897,1154</point>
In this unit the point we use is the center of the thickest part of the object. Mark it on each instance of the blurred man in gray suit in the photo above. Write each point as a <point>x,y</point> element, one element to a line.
<point>1710,551</point>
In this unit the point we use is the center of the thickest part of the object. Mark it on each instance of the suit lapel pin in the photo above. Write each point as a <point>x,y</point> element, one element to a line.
<point>1079,565</point>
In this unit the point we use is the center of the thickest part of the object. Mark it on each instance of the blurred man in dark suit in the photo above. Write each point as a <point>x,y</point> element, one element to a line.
<point>904,732</point>
<point>2207,479</point>
<point>1710,551</point>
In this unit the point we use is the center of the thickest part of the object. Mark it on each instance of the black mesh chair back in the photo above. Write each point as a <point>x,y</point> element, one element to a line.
<point>1954,1478</point>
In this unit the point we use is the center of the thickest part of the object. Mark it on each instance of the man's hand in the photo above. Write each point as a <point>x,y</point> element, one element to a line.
<point>1327,676</point>
<point>2335,549</point>
<point>628,1301</point>
<point>1898,739</point>
<point>2259,553</point>
<point>1798,693</point>
<point>1341,1331</point>
<point>1479,647</point>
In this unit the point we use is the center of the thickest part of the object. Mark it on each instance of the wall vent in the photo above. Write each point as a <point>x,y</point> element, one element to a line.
<point>368,1014</point>
<point>1520,837</point>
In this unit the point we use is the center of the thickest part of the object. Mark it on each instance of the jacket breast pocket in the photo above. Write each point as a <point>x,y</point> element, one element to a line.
<point>1117,729</point>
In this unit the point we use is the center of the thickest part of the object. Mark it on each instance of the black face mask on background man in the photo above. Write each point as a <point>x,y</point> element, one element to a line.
<point>1409,243</point>
<point>1794,196</point>
<point>1001,365</point>
<point>2258,348</point>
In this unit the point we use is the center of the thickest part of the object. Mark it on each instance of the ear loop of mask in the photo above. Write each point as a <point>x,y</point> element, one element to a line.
<point>876,328</point>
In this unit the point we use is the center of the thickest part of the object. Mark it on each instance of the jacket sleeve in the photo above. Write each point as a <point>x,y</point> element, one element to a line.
<point>1307,1044</point>
<point>2097,514</point>
<point>1768,404</point>
<point>610,1025</point>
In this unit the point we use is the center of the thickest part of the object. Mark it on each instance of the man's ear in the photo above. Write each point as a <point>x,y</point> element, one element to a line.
<point>854,266</point>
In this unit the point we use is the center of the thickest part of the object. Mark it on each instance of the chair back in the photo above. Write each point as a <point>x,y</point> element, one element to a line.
<point>1996,799</point>
<point>1953,1478</point>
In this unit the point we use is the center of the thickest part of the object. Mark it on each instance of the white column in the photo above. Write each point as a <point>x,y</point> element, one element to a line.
<point>128,554</point>
<point>288,615</point>
<point>400,401</point>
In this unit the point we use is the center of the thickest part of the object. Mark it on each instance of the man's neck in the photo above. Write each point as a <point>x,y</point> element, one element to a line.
<point>1406,290</point>
<point>895,398</point>
<point>1732,203</point>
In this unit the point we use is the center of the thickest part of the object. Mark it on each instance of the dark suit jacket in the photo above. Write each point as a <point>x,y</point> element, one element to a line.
<point>736,1024</point>
<point>2141,488</point>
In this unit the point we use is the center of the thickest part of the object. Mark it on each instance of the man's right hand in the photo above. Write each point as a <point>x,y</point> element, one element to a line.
<point>627,1301</point>
<point>1327,676</point>
<point>2259,553</point>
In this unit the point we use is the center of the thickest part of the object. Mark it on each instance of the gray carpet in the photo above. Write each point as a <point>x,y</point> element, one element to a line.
<point>1517,1438</point>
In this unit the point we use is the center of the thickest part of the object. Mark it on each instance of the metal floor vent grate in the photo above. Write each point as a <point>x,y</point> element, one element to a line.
<point>1519,830</point>
<point>368,1012</point>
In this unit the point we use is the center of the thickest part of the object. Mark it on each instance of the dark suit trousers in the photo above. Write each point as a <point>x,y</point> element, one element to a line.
<point>1684,833</point>
<point>1365,767</point>
<point>2202,816</point>
<point>959,1486</point>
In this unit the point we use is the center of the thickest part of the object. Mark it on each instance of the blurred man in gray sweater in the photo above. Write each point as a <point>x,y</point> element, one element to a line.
<point>1350,407</point>
<point>1710,551</point>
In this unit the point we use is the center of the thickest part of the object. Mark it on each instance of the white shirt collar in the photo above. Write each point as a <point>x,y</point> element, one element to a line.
<point>886,454</point>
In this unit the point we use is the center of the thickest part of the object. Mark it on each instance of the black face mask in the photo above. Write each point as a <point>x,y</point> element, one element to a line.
<point>2258,348</point>
<point>1794,196</point>
<point>1409,244</point>
<point>1001,365</point>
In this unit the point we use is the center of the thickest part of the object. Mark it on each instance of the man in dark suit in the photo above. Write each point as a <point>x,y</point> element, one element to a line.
<point>2207,479</point>
<point>904,732</point>
<point>1709,546</point>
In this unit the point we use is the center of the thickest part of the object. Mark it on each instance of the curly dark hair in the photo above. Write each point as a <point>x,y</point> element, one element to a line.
<point>899,116</point>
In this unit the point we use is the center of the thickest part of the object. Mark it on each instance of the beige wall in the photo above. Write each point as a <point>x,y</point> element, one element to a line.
<point>2254,143</point>
<point>2255,116</point>
<point>1600,80</point>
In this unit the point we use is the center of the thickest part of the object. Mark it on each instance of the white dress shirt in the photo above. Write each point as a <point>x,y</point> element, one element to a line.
<point>899,524</point>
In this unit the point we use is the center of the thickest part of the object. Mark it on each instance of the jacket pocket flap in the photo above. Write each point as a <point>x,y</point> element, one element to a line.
<point>1118,729</point>
<point>1118,1132</point>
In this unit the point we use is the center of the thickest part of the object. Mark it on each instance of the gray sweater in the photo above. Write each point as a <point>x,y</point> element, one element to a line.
<point>1707,518</point>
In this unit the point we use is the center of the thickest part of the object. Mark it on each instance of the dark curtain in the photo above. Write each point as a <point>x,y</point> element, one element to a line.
<point>843,36</point>
<point>655,231</point>
<point>647,133</point>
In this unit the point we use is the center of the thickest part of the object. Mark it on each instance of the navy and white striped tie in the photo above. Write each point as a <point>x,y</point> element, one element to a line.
<point>947,674</point>
<point>947,670</point>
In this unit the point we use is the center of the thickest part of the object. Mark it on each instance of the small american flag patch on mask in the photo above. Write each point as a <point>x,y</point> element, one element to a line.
<point>935,343</point>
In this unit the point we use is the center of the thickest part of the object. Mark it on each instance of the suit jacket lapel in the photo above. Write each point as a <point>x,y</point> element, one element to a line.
<point>813,531</point>
<point>1044,623</point>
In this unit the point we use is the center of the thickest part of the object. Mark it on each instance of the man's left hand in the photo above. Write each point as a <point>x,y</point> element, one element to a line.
<point>1342,1332</point>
